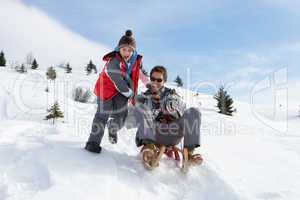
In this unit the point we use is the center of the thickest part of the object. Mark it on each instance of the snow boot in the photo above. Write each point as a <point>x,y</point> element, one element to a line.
<point>93,147</point>
<point>190,159</point>
<point>112,137</point>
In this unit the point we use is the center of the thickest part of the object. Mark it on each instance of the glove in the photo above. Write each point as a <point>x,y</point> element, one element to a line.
<point>141,98</point>
<point>128,94</point>
<point>164,117</point>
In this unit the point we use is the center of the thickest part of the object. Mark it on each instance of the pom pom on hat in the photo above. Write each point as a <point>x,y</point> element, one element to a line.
<point>128,33</point>
<point>127,40</point>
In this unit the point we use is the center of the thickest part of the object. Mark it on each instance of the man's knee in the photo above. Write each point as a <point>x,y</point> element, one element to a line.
<point>193,113</point>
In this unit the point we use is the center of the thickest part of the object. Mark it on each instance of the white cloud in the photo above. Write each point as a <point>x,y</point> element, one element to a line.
<point>249,67</point>
<point>248,72</point>
<point>27,29</point>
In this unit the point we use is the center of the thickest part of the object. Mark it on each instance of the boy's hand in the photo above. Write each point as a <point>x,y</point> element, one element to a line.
<point>141,98</point>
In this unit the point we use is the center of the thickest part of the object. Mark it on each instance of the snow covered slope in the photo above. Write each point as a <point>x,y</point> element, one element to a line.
<point>30,30</point>
<point>244,159</point>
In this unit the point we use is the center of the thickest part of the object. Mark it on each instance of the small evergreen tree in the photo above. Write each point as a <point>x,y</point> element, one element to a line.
<point>68,68</point>
<point>179,82</point>
<point>224,101</point>
<point>54,112</point>
<point>51,73</point>
<point>34,64</point>
<point>90,67</point>
<point>21,69</point>
<point>95,69</point>
<point>2,59</point>
<point>88,70</point>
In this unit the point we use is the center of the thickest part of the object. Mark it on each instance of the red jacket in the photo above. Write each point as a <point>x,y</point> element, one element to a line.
<point>112,78</point>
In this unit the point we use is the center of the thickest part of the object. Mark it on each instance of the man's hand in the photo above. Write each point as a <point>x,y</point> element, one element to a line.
<point>155,97</point>
<point>164,117</point>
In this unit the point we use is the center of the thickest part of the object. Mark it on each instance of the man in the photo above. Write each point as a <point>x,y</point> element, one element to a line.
<point>163,120</point>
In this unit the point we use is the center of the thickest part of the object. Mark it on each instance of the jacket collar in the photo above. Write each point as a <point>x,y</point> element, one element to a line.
<point>112,54</point>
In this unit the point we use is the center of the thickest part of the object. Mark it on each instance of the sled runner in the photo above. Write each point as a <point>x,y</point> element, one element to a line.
<point>151,155</point>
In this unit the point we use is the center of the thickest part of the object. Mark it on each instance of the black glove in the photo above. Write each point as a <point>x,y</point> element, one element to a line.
<point>141,98</point>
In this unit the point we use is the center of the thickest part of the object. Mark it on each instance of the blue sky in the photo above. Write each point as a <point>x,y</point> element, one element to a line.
<point>219,41</point>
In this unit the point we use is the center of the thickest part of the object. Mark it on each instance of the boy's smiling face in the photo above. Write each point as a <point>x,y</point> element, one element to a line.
<point>126,52</point>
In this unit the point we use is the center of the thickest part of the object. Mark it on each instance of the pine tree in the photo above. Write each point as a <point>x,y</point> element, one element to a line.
<point>179,82</point>
<point>95,69</point>
<point>90,67</point>
<point>21,69</point>
<point>2,59</point>
<point>68,68</point>
<point>224,101</point>
<point>34,64</point>
<point>54,112</point>
<point>51,73</point>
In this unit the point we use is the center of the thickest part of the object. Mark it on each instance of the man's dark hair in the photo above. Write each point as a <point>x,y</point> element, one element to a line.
<point>160,69</point>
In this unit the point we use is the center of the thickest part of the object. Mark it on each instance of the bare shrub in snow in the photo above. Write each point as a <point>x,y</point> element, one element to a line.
<point>81,94</point>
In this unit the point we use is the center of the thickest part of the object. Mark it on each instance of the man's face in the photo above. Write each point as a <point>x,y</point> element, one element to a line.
<point>126,52</point>
<point>157,81</point>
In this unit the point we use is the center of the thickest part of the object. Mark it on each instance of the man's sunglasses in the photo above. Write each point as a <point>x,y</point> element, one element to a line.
<point>156,79</point>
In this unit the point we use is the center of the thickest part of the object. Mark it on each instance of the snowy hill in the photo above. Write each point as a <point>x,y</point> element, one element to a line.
<point>3,103</point>
<point>244,159</point>
<point>31,31</point>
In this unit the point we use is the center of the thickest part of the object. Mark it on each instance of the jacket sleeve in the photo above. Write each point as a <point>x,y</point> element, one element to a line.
<point>114,73</point>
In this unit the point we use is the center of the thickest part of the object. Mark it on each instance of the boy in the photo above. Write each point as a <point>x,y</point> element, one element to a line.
<point>117,83</point>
